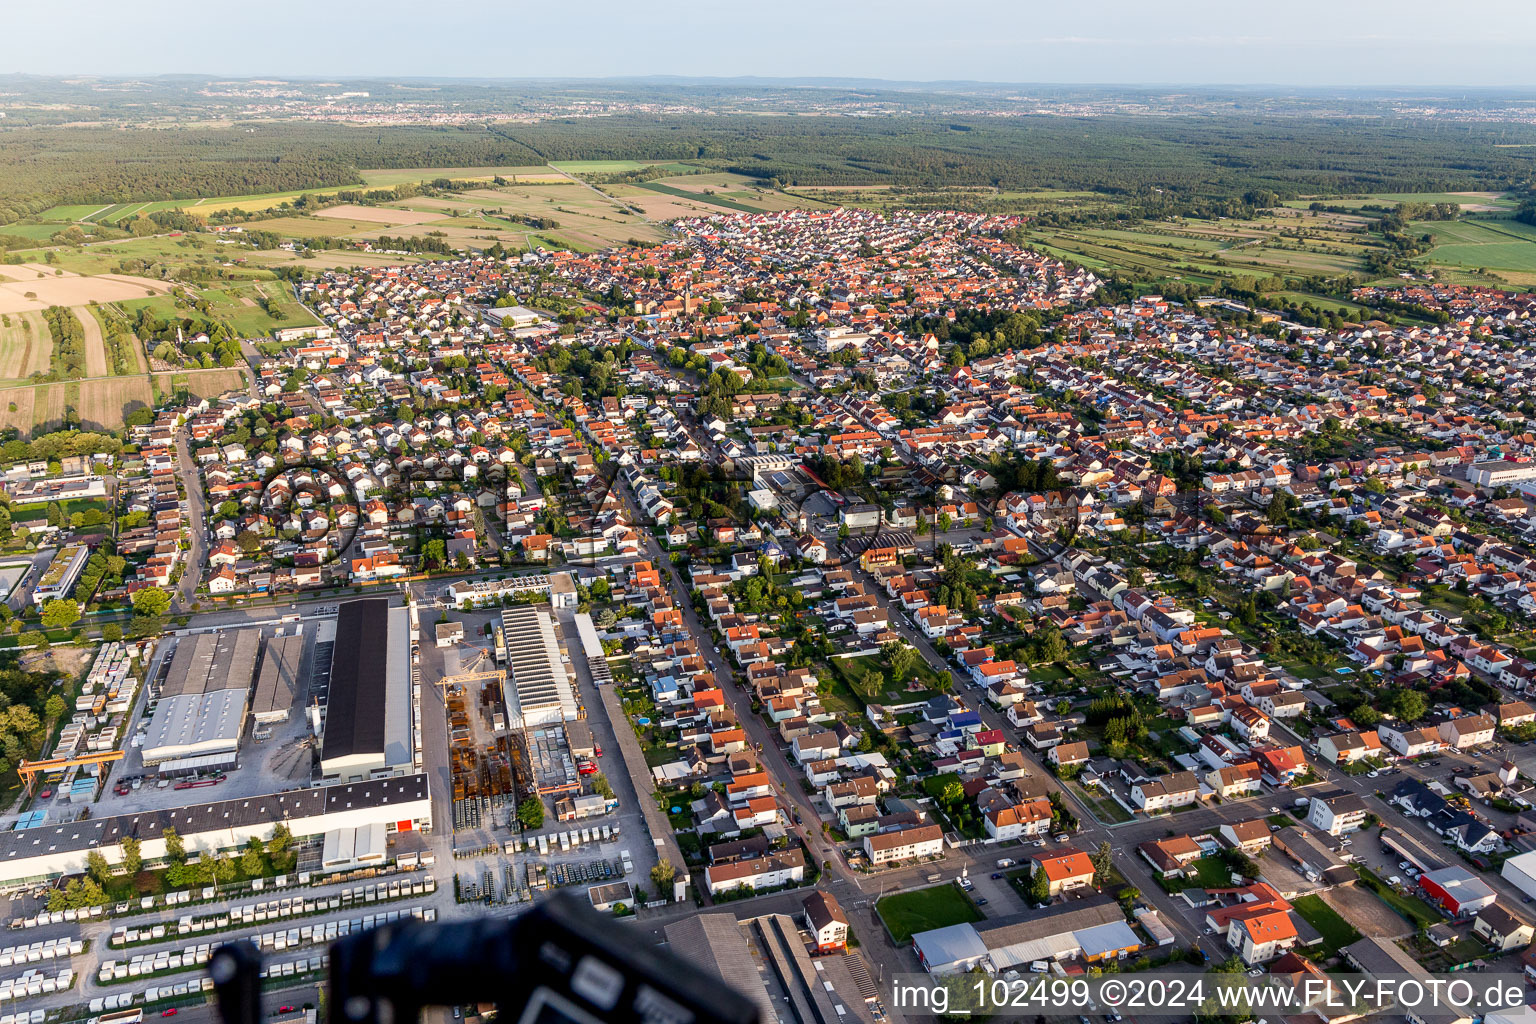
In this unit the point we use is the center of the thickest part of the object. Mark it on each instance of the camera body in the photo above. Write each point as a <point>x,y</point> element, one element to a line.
<point>560,963</point>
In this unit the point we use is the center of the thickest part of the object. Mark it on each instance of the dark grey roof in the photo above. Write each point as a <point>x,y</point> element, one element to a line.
<point>278,680</point>
<point>197,818</point>
<point>715,943</point>
<point>355,712</point>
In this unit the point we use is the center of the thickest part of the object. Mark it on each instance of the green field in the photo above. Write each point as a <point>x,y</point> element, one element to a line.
<point>1387,198</point>
<point>617,166</point>
<point>921,910</point>
<point>1495,244</point>
<point>698,197</point>
<point>1324,302</point>
<point>228,303</point>
<point>390,176</point>
<point>41,232</point>
<point>71,212</point>
<point>1206,252</point>
<point>1415,910</point>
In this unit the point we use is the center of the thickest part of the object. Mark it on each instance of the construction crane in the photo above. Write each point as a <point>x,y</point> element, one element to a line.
<point>472,672</point>
<point>499,675</point>
<point>30,770</point>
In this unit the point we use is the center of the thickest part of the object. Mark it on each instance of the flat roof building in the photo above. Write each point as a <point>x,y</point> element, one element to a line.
<point>537,689</point>
<point>400,804</point>
<point>367,727</point>
<point>201,710</point>
<point>61,575</point>
<point>278,681</point>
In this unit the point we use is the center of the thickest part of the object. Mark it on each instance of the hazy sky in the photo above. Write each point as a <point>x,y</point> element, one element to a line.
<point>1292,42</point>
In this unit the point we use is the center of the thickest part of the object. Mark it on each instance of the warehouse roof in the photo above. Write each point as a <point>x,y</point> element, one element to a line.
<point>278,680</point>
<point>355,712</point>
<point>222,814</point>
<point>225,660</point>
<point>195,723</point>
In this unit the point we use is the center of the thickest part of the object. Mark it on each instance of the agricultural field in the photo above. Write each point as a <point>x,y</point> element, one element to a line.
<point>580,167</point>
<point>311,227</point>
<point>25,345</point>
<point>201,383</point>
<point>60,215</point>
<point>238,303</point>
<point>19,294</point>
<point>1207,251</point>
<point>586,219</point>
<point>1470,202</point>
<point>40,232</point>
<point>373,214</point>
<point>134,348</point>
<point>390,176</point>
<point>1505,248</point>
<point>103,404</point>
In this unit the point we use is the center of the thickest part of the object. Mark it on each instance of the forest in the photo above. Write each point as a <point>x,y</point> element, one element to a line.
<point>1156,162</point>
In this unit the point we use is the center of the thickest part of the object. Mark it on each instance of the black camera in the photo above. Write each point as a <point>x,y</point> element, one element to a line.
<point>560,963</point>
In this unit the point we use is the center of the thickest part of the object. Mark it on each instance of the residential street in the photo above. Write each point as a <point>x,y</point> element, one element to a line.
<point>195,520</point>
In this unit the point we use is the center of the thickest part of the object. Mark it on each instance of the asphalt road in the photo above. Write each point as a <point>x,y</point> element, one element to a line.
<point>196,523</point>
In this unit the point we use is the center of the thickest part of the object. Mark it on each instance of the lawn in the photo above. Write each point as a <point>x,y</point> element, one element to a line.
<point>1211,873</point>
<point>1337,932</point>
<point>69,506</point>
<point>1051,673</point>
<point>846,670</point>
<point>921,910</point>
<point>1105,807</point>
<point>1413,909</point>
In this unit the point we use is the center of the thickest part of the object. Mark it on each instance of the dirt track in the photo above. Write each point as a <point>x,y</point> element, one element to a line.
<point>96,362</point>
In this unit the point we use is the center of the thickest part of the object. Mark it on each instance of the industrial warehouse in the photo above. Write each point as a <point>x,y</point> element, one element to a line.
<point>538,687</point>
<point>203,697</point>
<point>49,851</point>
<point>278,680</point>
<point>367,730</point>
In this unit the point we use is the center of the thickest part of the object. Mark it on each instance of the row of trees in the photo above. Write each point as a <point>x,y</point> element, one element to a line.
<point>68,343</point>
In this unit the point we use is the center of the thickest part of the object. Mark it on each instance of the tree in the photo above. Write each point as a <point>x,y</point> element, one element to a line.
<point>662,875</point>
<point>1407,705</point>
<point>250,858</point>
<point>1103,861</point>
<point>601,787</point>
<point>217,866</point>
<point>111,632</point>
<point>175,849</point>
<point>902,659</point>
<point>280,848</point>
<point>61,613</point>
<point>1039,886</point>
<point>869,685</point>
<point>53,707</point>
<point>133,859</point>
<point>530,813</point>
<point>946,789</point>
<point>151,601</point>
<point>96,866</point>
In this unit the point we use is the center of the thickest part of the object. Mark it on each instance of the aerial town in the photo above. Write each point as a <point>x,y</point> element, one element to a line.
<point>853,593</point>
